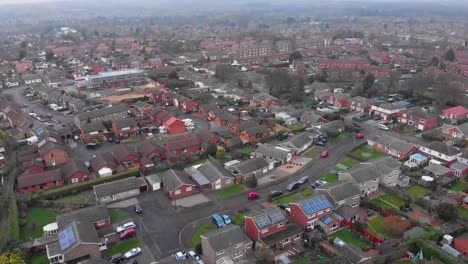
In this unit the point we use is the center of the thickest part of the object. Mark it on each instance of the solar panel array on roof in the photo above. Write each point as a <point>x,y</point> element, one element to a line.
<point>276,216</point>
<point>263,221</point>
<point>326,220</point>
<point>66,238</point>
<point>316,205</point>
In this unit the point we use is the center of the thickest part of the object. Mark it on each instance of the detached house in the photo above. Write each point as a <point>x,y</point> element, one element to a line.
<point>239,128</point>
<point>271,229</point>
<point>459,132</point>
<point>455,113</point>
<point>224,118</point>
<point>275,156</point>
<point>345,197</point>
<point>184,145</point>
<point>178,184</point>
<point>299,143</point>
<point>119,190</point>
<point>460,167</point>
<point>441,151</point>
<point>339,99</point>
<point>53,154</point>
<point>255,167</point>
<point>151,151</point>
<point>31,78</point>
<point>255,133</point>
<point>126,157</point>
<point>141,108</point>
<point>103,164</point>
<point>417,118</point>
<point>392,146</point>
<point>75,171</point>
<point>92,131</point>
<point>386,110</point>
<point>264,100</point>
<point>309,118</point>
<point>125,128</point>
<point>313,211</point>
<point>12,82</point>
<point>97,215</point>
<point>216,174</point>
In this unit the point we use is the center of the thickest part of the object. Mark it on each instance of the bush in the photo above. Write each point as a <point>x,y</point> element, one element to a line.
<point>251,182</point>
<point>447,212</point>
<point>198,248</point>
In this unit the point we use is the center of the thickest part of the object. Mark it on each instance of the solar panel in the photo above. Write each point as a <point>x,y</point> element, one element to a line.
<point>263,221</point>
<point>315,205</point>
<point>276,216</point>
<point>326,220</point>
<point>66,238</point>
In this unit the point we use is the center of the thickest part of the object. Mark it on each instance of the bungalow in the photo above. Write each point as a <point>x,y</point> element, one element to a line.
<point>75,171</point>
<point>360,104</point>
<point>103,164</point>
<point>455,113</point>
<point>386,110</point>
<point>456,132</point>
<point>184,145</point>
<point>310,212</point>
<point>53,154</point>
<point>441,151</point>
<point>255,167</point>
<point>151,151</point>
<point>255,133</point>
<point>126,157</point>
<point>217,176</point>
<point>125,128</point>
<point>178,184</point>
<point>275,156</point>
<point>437,171</point>
<point>299,143</point>
<point>309,118</point>
<point>332,128</point>
<point>392,146</point>
<point>119,190</point>
<point>97,215</point>
<point>264,100</point>
<point>31,78</point>
<point>271,229</point>
<point>36,181</point>
<point>460,167</point>
<point>92,131</point>
<point>224,118</point>
<point>417,118</point>
<point>345,196</point>
<point>238,128</point>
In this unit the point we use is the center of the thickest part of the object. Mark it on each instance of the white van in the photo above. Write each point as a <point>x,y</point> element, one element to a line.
<point>383,127</point>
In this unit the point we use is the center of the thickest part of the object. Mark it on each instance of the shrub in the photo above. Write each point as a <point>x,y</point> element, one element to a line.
<point>198,248</point>
<point>251,182</point>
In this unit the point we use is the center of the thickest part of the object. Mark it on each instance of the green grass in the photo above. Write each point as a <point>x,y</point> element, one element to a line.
<point>314,152</point>
<point>417,191</point>
<point>235,189</point>
<point>460,186</point>
<point>238,219</point>
<point>118,215</point>
<point>405,262</point>
<point>42,259</point>
<point>340,137</point>
<point>247,150</point>
<point>367,153</point>
<point>37,218</point>
<point>301,260</point>
<point>463,212</point>
<point>290,197</point>
<point>123,247</point>
<point>350,237</point>
<point>393,200</point>
<point>349,162</point>
<point>296,127</point>
<point>203,229</point>
<point>199,162</point>
<point>382,204</point>
<point>72,199</point>
<point>330,177</point>
<point>376,225</point>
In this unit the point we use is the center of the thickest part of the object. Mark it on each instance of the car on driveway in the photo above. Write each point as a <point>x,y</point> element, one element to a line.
<point>116,258</point>
<point>325,154</point>
<point>293,186</point>
<point>179,256</point>
<point>191,254</point>
<point>383,127</point>
<point>138,209</point>
<point>226,219</point>
<point>217,220</point>
<point>124,227</point>
<point>320,143</point>
<point>132,253</point>
<point>304,179</point>
<point>253,195</point>
<point>128,233</point>
<point>359,136</point>
<point>276,193</point>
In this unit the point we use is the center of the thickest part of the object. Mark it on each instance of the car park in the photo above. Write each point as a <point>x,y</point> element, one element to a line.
<point>304,179</point>
<point>116,258</point>
<point>325,154</point>
<point>217,220</point>
<point>226,219</point>
<point>132,253</point>
<point>128,233</point>
<point>125,226</point>
<point>138,209</point>
<point>276,193</point>
<point>293,186</point>
<point>253,195</point>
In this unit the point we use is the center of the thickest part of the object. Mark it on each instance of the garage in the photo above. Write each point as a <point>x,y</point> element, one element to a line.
<point>154,182</point>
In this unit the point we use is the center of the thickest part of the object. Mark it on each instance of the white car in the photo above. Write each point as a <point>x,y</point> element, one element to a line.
<point>179,256</point>
<point>124,227</point>
<point>383,127</point>
<point>132,253</point>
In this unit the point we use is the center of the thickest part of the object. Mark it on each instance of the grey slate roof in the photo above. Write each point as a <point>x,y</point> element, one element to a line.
<point>172,179</point>
<point>247,124</point>
<point>256,130</point>
<point>418,112</point>
<point>251,165</point>
<point>102,112</point>
<point>225,237</point>
<point>437,169</point>
<point>347,211</point>
<point>464,129</point>
<point>443,148</point>
<point>413,233</point>
<point>374,169</point>
<point>340,190</point>
<point>93,127</point>
<point>236,141</point>
<point>123,123</point>
<point>89,214</point>
<point>73,166</point>
<point>361,101</point>
<point>394,143</point>
<point>310,117</point>
<point>224,115</point>
<point>300,140</point>
<point>271,151</point>
<point>213,171</point>
<point>119,186</point>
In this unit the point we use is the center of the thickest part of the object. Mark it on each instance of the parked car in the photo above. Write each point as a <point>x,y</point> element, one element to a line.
<point>363,116</point>
<point>191,254</point>
<point>315,185</point>
<point>116,258</point>
<point>124,227</point>
<point>325,154</point>
<point>226,220</point>
<point>132,253</point>
<point>179,256</point>
<point>377,117</point>
<point>383,127</point>
<point>359,136</point>
<point>138,209</point>
<point>321,143</point>
<point>253,195</point>
<point>276,193</point>
<point>304,179</point>
<point>293,186</point>
<point>128,233</point>
<point>91,146</point>
<point>217,220</point>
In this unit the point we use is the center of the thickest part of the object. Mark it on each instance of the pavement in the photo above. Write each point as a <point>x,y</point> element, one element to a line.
<point>123,204</point>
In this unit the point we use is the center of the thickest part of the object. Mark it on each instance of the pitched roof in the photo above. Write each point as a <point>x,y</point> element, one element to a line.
<point>72,167</point>
<point>250,165</point>
<point>89,214</point>
<point>244,125</point>
<point>457,110</point>
<point>271,151</point>
<point>101,160</point>
<point>260,129</point>
<point>443,148</point>
<point>394,143</point>
<point>119,186</point>
<point>374,169</point>
<point>418,112</point>
<point>213,171</point>
<point>93,127</point>
<point>225,237</point>
<point>123,151</point>
<point>340,190</point>
<point>27,179</point>
<point>149,149</point>
<point>172,179</point>
<point>361,101</point>
<point>314,204</point>
<point>236,141</point>
<point>311,117</point>
<point>49,146</point>
<point>123,123</point>
<point>102,112</point>
<point>224,115</point>
<point>300,140</point>
<point>437,169</point>
<point>205,135</point>
<point>183,143</point>
<point>267,218</point>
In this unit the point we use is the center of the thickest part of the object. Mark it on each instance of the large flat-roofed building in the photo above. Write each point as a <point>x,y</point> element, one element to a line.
<point>117,78</point>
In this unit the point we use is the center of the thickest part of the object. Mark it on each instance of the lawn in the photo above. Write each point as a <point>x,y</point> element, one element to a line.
<point>199,162</point>
<point>203,229</point>
<point>330,177</point>
<point>339,138</point>
<point>376,225</point>
<point>247,150</point>
<point>296,127</point>
<point>36,219</point>
<point>122,247</point>
<point>382,204</point>
<point>367,153</point>
<point>461,186</point>
<point>235,189</point>
<point>42,259</point>
<point>301,260</point>
<point>290,197</point>
<point>393,200</point>
<point>238,219</point>
<point>118,215</point>
<point>349,162</point>
<point>417,191</point>
<point>72,199</point>
<point>349,237</point>
<point>463,212</point>
<point>314,152</point>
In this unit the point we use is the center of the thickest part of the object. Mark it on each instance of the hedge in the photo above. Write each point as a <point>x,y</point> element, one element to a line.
<point>79,187</point>
<point>14,234</point>
<point>429,251</point>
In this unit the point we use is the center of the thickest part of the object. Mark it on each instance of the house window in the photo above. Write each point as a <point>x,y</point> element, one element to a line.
<point>176,192</point>
<point>51,155</point>
<point>286,240</point>
<point>74,180</point>
<point>220,252</point>
<point>280,225</point>
<point>100,223</point>
<point>188,189</point>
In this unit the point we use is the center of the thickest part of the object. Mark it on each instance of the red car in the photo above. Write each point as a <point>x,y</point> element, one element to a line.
<point>253,195</point>
<point>128,233</point>
<point>324,154</point>
<point>359,136</point>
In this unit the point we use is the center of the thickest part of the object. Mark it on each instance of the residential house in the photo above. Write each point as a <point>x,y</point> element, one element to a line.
<point>299,142</point>
<point>216,174</point>
<point>460,167</point>
<point>275,156</point>
<point>309,118</point>
<point>75,171</point>
<point>53,154</point>
<point>105,114</point>
<point>119,190</point>
<point>271,229</point>
<point>30,181</point>
<point>97,215</point>
<point>417,118</point>
<point>264,100</point>
<point>206,137</point>
<point>31,78</point>
<point>224,118</point>
<point>360,104</point>
<point>459,132</point>
<point>339,99</point>
<point>386,110</point>
<point>345,197</point>
<point>152,151</point>
<point>332,128</point>
<point>237,129</point>
<point>126,157</point>
<point>441,151</point>
<point>125,128</point>
<point>310,212</point>
<point>437,171</point>
<point>255,133</point>
<point>233,142</point>
<point>185,104</point>
<point>455,113</point>
<point>103,164</point>
<point>461,245</point>
<point>13,117</point>
<point>184,145</point>
<point>392,146</point>
<point>255,167</point>
<point>178,184</point>
<point>141,108</point>
<point>226,244</point>
<point>90,132</point>
<point>174,126</point>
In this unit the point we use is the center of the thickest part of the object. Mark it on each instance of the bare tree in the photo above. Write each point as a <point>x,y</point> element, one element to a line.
<point>278,81</point>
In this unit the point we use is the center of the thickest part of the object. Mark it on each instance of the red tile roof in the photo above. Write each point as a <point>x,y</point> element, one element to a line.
<point>31,179</point>
<point>457,110</point>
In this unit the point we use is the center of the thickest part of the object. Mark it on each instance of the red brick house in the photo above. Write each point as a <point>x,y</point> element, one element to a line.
<point>125,128</point>
<point>92,131</point>
<point>151,151</point>
<point>417,118</point>
<point>339,99</point>
<point>255,133</point>
<point>53,154</point>
<point>140,108</point>
<point>393,146</point>
<point>265,100</point>
<point>452,131</point>
<point>32,182</point>
<point>461,245</point>
<point>224,118</point>
<point>34,165</point>
<point>271,229</point>
<point>311,212</point>
<point>28,154</point>
<point>237,129</point>
<point>455,113</point>
<point>207,137</point>
<point>177,184</point>
<point>75,171</point>
<point>126,157</point>
<point>185,145</point>
<point>184,103</point>
<point>379,57</point>
<point>168,98</point>
<point>360,104</point>
<point>342,63</point>
<point>103,164</point>
<point>156,95</point>
<point>174,126</point>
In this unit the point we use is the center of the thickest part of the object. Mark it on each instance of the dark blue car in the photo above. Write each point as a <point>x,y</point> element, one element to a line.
<point>320,143</point>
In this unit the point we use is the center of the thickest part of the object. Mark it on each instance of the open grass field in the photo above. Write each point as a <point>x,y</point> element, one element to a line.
<point>42,259</point>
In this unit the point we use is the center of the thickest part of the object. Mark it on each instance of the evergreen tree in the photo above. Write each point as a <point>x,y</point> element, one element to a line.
<point>450,55</point>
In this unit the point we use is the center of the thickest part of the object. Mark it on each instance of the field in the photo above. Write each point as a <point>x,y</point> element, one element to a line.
<point>349,237</point>
<point>203,229</point>
<point>314,152</point>
<point>366,153</point>
<point>117,215</point>
<point>417,191</point>
<point>123,247</point>
<point>461,186</point>
<point>36,219</point>
<point>235,189</point>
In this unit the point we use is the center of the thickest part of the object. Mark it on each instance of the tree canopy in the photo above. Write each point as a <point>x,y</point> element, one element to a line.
<point>13,257</point>
<point>49,55</point>
<point>296,55</point>
<point>368,81</point>
<point>447,211</point>
<point>450,55</point>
